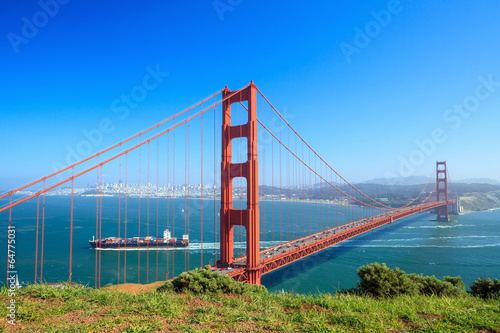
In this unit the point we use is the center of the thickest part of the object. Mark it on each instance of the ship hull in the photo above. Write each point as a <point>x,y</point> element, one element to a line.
<point>131,245</point>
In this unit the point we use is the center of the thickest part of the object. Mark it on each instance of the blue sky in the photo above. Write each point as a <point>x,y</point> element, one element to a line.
<point>374,86</point>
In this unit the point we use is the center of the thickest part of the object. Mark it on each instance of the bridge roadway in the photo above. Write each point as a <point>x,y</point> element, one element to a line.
<point>282,254</point>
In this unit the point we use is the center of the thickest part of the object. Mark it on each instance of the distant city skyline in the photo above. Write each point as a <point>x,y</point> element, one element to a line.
<point>379,89</point>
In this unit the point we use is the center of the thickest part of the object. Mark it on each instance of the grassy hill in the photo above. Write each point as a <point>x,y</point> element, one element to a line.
<point>196,303</point>
<point>47,309</point>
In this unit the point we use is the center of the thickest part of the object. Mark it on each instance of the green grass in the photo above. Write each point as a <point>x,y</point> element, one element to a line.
<point>48,309</point>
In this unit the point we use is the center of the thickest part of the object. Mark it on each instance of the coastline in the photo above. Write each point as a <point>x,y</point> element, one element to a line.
<point>478,211</point>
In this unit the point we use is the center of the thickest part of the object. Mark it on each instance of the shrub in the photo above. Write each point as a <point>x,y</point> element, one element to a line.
<point>204,281</point>
<point>486,287</point>
<point>456,281</point>
<point>380,280</point>
<point>431,285</point>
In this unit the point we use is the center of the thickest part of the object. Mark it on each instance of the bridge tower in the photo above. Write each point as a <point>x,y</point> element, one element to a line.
<point>443,213</point>
<point>249,217</point>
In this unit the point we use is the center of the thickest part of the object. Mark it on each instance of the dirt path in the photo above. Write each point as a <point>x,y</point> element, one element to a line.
<point>134,288</point>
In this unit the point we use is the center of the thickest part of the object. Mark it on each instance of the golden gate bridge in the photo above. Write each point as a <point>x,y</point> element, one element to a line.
<point>266,187</point>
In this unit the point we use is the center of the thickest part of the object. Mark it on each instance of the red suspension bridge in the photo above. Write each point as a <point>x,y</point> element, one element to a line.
<point>266,199</point>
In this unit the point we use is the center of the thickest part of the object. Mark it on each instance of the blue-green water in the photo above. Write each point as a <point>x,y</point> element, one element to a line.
<point>469,248</point>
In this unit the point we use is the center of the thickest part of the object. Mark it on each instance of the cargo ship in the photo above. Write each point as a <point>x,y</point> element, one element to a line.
<point>140,242</point>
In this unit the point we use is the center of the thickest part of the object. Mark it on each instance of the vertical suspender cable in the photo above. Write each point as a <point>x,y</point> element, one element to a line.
<point>351,217</point>
<point>215,184</point>
<point>272,189</point>
<point>281,220</point>
<point>119,210</point>
<point>71,226</point>
<point>328,210</point>
<point>264,230</point>
<point>294,194</point>
<point>168,198</point>
<point>201,188</point>
<point>346,212</point>
<point>288,195</point>
<point>100,225</point>
<point>43,233</point>
<point>173,199</point>
<point>36,242</point>
<point>139,221</point>
<point>185,188</point>
<point>126,221</point>
<point>97,222</point>
<point>157,196</point>
<point>296,180</point>
<point>147,223</point>
<point>303,179</point>
<point>321,198</point>
<point>315,194</point>
<point>264,181</point>
<point>310,197</point>
<point>331,210</point>
<point>188,193</point>
<point>349,192</point>
<point>337,199</point>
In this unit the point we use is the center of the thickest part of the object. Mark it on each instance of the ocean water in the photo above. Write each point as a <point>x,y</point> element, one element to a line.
<point>469,248</point>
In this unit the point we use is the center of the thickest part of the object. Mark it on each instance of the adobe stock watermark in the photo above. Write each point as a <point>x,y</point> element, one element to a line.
<point>223,6</point>
<point>31,26</point>
<point>373,28</point>
<point>454,118</point>
<point>121,107</point>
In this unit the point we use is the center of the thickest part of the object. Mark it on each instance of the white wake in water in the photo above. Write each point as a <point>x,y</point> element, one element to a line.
<point>424,246</point>
<point>439,226</point>
<point>430,238</point>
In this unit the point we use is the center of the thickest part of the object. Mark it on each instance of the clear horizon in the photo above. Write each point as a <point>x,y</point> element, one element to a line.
<point>379,89</point>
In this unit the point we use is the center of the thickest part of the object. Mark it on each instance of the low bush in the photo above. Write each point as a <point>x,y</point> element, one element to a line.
<point>431,285</point>
<point>486,287</point>
<point>380,280</point>
<point>204,281</point>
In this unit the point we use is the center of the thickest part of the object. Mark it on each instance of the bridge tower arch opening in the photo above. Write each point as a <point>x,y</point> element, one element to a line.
<point>443,214</point>
<point>229,216</point>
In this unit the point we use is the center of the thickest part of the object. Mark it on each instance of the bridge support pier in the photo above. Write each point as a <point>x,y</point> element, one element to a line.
<point>443,213</point>
<point>249,217</point>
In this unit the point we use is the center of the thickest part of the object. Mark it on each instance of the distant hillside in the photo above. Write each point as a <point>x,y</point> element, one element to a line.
<point>474,197</point>
<point>480,181</point>
<point>416,180</point>
<point>480,201</point>
<point>412,180</point>
<point>379,190</point>
<point>392,195</point>
<point>462,188</point>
